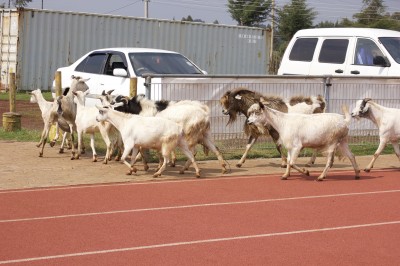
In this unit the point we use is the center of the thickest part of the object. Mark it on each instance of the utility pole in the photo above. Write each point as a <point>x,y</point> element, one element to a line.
<point>146,8</point>
<point>272,28</point>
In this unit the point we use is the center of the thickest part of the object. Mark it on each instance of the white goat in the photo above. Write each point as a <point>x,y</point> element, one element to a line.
<point>50,117</point>
<point>323,131</point>
<point>386,119</point>
<point>67,107</point>
<point>192,116</point>
<point>147,132</point>
<point>86,123</point>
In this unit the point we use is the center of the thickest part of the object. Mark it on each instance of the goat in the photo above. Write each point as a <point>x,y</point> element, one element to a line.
<point>67,106</point>
<point>192,116</point>
<point>157,133</point>
<point>386,119</point>
<point>324,131</point>
<point>50,117</point>
<point>239,100</point>
<point>86,123</point>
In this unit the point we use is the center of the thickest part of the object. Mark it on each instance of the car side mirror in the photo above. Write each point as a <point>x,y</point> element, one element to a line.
<point>381,61</point>
<point>120,72</point>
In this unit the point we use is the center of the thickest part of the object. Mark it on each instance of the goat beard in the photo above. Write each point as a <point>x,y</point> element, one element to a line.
<point>232,117</point>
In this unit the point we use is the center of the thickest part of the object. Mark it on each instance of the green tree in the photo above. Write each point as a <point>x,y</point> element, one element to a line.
<point>373,10</point>
<point>293,17</point>
<point>249,12</point>
<point>20,3</point>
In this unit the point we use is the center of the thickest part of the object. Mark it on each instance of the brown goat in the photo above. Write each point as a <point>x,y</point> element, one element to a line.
<point>239,100</point>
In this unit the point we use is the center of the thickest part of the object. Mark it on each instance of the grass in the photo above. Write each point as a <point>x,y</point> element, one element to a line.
<point>259,150</point>
<point>24,96</point>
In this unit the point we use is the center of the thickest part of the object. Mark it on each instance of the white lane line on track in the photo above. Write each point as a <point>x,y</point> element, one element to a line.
<point>142,183</point>
<point>196,206</point>
<point>203,241</point>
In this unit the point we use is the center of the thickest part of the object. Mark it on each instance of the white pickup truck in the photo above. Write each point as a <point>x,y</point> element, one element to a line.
<point>111,69</point>
<point>343,51</point>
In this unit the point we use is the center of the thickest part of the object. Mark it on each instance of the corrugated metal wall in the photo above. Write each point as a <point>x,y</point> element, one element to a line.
<point>51,39</point>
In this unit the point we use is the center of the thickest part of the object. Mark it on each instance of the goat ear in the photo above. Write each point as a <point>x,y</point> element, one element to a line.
<point>74,92</point>
<point>262,107</point>
<point>238,97</point>
<point>109,92</point>
<point>117,105</point>
<point>99,107</point>
<point>103,93</point>
<point>367,100</point>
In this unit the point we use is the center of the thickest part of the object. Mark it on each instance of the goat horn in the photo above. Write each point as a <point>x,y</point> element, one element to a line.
<point>117,104</point>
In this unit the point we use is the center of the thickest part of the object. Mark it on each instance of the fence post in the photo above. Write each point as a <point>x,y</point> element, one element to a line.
<point>12,120</point>
<point>328,85</point>
<point>57,84</point>
<point>133,87</point>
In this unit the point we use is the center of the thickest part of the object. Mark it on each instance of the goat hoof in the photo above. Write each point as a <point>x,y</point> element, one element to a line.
<point>61,151</point>
<point>105,161</point>
<point>181,172</point>
<point>40,154</point>
<point>238,165</point>
<point>320,179</point>
<point>52,143</point>
<point>367,170</point>
<point>156,175</point>
<point>146,167</point>
<point>198,175</point>
<point>356,177</point>
<point>38,145</point>
<point>284,178</point>
<point>306,172</point>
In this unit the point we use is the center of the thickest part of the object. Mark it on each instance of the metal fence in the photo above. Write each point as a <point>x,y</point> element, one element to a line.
<point>337,91</point>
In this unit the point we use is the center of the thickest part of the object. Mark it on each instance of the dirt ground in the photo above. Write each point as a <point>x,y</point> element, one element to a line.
<point>20,166</point>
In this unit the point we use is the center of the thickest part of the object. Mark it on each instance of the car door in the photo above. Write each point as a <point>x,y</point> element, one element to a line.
<point>368,59</point>
<point>99,68</point>
<point>332,59</point>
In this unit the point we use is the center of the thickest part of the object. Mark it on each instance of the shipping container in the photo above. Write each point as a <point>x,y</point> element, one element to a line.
<point>35,42</point>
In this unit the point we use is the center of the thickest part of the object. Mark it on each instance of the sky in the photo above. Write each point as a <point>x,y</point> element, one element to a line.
<point>206,10</point>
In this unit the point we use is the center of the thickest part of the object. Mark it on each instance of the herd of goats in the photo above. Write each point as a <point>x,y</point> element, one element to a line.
<point>130,125</point>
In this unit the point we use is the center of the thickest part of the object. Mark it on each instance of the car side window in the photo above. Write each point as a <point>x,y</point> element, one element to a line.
<point>367,52</point>
<point>333,51</point>
<point>114,61</point>
<point>94,63</point>
<point>303,49</point>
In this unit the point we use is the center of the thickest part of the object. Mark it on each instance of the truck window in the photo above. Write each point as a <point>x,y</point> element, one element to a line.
<point>303,49</point>
<point>333,51</point>
<point>392,45</point>
<point>366,52</point>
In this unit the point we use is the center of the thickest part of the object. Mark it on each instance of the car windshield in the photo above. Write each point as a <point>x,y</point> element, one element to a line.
<point>392,45</point>
<point>162,63</point>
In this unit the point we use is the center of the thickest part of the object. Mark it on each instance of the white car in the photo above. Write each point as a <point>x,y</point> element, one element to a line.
<point>112,68</point>
<point>343,51</point>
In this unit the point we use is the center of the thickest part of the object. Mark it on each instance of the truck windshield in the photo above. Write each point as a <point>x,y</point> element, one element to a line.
<point>392,45</point>
<point>162,63</point>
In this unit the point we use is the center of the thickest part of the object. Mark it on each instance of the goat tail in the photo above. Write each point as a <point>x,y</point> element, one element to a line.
<point>347,116</point>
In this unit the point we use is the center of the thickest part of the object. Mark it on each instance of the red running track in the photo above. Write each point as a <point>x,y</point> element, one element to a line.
<point>256,220</point>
